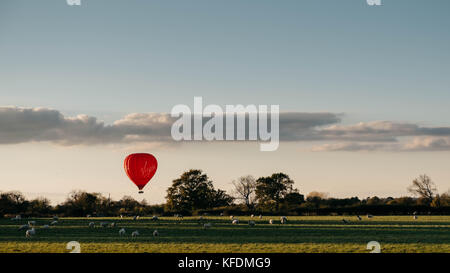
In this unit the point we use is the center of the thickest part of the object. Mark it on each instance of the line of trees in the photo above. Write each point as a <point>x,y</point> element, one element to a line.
<point>193,193</point>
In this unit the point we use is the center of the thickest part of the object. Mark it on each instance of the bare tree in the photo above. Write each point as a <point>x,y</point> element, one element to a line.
<point>244,189</point>
<point>423,187</point>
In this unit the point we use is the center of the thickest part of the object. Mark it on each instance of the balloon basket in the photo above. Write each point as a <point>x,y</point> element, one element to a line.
<point>141,191</point>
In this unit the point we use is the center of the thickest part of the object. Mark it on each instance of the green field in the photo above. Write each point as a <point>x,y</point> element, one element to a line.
<point>300,234</point>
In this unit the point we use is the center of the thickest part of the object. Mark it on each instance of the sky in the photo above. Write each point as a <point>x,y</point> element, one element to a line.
<point>364,92</point>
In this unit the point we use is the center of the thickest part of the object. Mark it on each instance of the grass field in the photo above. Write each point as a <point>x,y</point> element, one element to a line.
<point>300,234</point>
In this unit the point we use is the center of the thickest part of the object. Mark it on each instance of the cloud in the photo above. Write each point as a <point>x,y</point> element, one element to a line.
<point>348,147</point>
<point>21,125</point>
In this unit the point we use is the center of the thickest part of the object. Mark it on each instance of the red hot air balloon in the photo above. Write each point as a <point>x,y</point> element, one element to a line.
<point>140,168</point>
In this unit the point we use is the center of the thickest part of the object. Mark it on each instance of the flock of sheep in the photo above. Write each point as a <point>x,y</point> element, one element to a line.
<point>30,230</point>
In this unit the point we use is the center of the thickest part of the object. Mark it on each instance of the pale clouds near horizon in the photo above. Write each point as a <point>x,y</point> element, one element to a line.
<point>323,130</point>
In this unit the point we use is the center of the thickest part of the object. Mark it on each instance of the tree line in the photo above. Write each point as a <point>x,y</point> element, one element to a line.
<point>193,193</point>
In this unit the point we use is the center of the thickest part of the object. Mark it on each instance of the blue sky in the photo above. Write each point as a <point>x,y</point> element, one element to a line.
<point>140,56</point>
<point>109,58</point>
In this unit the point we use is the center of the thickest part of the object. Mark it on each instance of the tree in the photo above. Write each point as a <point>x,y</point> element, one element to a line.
<point>192,191</point>
<point>321,195</point>
<point>244,189</point>
<point>423,187</point>
<point>80,203</point>
<point>271,190</point>
<point>13,202</point>
<point>294,198</point>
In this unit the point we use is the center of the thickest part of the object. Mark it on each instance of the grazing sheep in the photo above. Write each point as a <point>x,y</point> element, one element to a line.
<point>252,216</point>
<point>29,233</point>
<point>369,216</point>
<point>54,223</point>
<point>135,218</point>
<point>235,222</point>
<point>91,224</point>
<point>135,234</point>
<point>113,225</point>
<point>260,216</point>
<point>359,217</point>
<point>122,232</point>
<point>251,223</point>
<point>415,212</point>
<point>283,219</point>
<point>155,233</point>
<point>121,216</point>
<point>155,218</point>
<point>18,217</point>
<point>221,214</point>
<point>271,221</point>
<point>415,217</point>
<point>103,224</point>
<point>45,226</point>
<point>345,221</point>
<point>22,227</point>
<point>231,217</point>
<point>207,225</point>
<point>31,223</point>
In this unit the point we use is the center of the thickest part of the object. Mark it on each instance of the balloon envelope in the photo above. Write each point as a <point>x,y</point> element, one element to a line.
<point>140,168</point>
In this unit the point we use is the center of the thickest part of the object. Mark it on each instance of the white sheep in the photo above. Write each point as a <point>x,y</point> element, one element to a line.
<point>369,216</point>
<point>207,225</point>
<point>260,216</point>
<point>113,224</point>
<point>91,224</point>
<point>221,214</point>
<point>231,217</point>
<point>22,227</point>
<point>54,223</point>
<point>31,223</point>
<point>415,217</point>
<point>283,219</point>
<point>122,232</point>
<point>135,234</point>
<point>155,233</point>
<point>88,216</point>
<point>45,226</point>
<point>155,218</point>
<point>359,217</point>
<point>18,217</point>
<point>235,221</point>
<point>29,233</point>
<point>135,218</point>
<point>271,221</point>
<point>121,216</point>
<point>251,223</point>
<point>252,216</point>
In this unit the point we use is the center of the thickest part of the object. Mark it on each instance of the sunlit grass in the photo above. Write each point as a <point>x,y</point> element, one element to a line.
<point>300,234</point>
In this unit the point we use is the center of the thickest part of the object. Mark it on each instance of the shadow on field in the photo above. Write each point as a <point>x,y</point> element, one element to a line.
<point>191,230</point>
